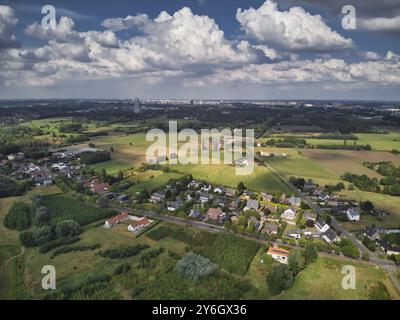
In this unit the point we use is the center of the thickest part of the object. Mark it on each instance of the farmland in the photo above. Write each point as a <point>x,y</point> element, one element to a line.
<point>151,180</point>
<point>378,142</point>
<point>260,180</point>
<point>65,208</point>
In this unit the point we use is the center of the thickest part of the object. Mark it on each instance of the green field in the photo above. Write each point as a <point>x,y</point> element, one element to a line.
<point>261,179</point>
<point>151,180</point>
<point>322,280</point>
<point>298,165</point>
<point>382,142</point>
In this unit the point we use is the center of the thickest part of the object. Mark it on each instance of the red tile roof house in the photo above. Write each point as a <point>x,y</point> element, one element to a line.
<point>97,187</point>
<point>117,219</point>
<point>214,213</point>
<point>279,255</point>
<point>136,226</point>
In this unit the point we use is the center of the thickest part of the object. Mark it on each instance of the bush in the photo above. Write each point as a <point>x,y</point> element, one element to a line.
<point>310,253</point>
<point>63,250</point>
<point>94,157</point>
<point>68,229</point>
<point>57,243</point>
<point>349,249</point>
<point>18,217</point>
<point>195,267</point>
<point>145,258</point>
<point>122,269</point>
<point>370,244</point>
<point>123,252</point>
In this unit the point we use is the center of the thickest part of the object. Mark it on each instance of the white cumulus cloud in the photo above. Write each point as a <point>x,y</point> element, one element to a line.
<point>295,29</point>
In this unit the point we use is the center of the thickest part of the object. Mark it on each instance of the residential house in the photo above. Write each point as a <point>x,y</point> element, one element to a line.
<point>221,202</point>
<point>309,186</point>
<point>138,225</point>
<point>234,205</point>
<point>279,255</point>
<point>122,198</point>
<point>204,197</point>
<point>373,233</point>
<point>270,228</point>
<point>97,187</point>
<point>295,234</point>
<point>157,197</point>
<point>110,195</point>
<point>330,236</point>
<point>271,207</point>
<point>321,225</point>
<point>195,212</point>
<point>175,205</point>
<point>266,196</point>
<point>248,194</point>
<point>353,214</point>
<point>294,201</point>
<point>206,187</point>
<point>193,184</point>
<point>109,223</point>
<point>229,192</point>
<point>289,216</point>
<point>214,213</point>
<point>219,189</point>
<point>310,216</point>
<point>251,205</point>
<point>323,196</point>
<point>388,248</point>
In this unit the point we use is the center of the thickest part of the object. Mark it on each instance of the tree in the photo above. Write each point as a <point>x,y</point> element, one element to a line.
<point>367,206</point>
<point>103,175</point>
<point>295,262</point>
<point>241,187</point>
<point>27,239</point>
<point>18,217</point>
<point>103,202</point>
<point>310,253</point>
<point>349,249</point>
<point>42,215</point>
<point>42,235</point>
<point>68,228</point>
<point>350,187</point>
<point>279,278</point>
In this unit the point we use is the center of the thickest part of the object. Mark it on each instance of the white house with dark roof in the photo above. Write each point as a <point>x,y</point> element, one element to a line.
<point>251,205</point>
<point>353,214</point>
<point>330,236</point>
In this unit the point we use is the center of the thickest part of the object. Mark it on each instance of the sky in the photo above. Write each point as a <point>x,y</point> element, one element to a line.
<point>201,49</point>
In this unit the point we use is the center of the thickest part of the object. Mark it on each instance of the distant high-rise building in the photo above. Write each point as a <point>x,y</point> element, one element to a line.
<point>136,103</point>
<point>192,102</point>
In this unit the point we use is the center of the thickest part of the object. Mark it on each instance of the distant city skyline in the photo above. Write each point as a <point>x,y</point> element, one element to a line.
<point>201,49</point>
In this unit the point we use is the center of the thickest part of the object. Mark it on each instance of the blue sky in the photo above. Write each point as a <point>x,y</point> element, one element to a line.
<point>200,49</point>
